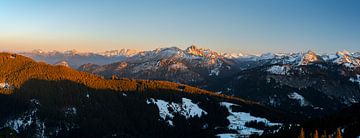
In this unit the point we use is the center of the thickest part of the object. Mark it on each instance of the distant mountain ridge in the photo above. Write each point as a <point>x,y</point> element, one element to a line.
<point>76,59</point>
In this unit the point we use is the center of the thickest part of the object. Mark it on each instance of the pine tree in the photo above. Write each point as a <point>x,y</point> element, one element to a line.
<point>316,134</point>
<point>114,77</point>
<point>323,135</point>
<point>338,133</point>
<point>302,134</point>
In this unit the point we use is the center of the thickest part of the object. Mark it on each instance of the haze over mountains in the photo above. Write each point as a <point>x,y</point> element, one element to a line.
<point>77,59</point>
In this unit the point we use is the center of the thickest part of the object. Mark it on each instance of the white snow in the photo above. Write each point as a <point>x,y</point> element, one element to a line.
<point>227,135</point>
<point>278,70</point>
<point>70,111</point>
<point>21,122</point>
<point>344,58</point>
<point>329,57</point>
<point>233,55</point>
<point>216,71</point>
<point>357,79</point>
<point>191,109</point>
<point>267,56</point>
<point>187,108</point>
<point>62,63</point>
<point>121,52</point>
<point>298,97</point>
<point>308,57</point>
<point>178,66</point>
<point>238,119</point>
<point>27,119</point>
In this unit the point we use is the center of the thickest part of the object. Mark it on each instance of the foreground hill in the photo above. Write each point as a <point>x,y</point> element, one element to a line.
<point>40,100</point>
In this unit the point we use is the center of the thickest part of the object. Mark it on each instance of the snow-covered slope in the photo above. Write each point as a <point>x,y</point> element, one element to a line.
<point>238,122</point>
<point>187,108</point>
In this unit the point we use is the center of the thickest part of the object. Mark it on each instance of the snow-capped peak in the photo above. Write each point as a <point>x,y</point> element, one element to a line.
<point>194,51</point>
<point>267,56</point>
<point>309,57</point>
<point>345,58</point>
<point>121,52</point>
<point>38,51</point>
<point>62,63</point>
<point>207,53</point>
<point>232,55</point>
<point>71,52</point>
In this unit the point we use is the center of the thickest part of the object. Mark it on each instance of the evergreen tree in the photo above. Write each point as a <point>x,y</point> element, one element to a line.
<point>114,77</point>
<point>316,134</point>
<point>302,134</point>
<point>323,135</point>
<point>338,133</point>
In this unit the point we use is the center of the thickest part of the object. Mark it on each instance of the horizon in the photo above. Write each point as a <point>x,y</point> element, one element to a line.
<point>223,26</point>
<point>199,47</point>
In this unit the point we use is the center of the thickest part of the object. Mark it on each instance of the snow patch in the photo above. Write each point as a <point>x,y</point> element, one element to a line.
<point>28,119</point>
<point>355,80</point>
<point>178,66</point>
<point>238,119</point>
<point>227,135</point>
<point>298,97</point>
<point>187,108</point>
<point>216,71</point>
<point>232,55</point>
<point>22,122</point>
<point>267,56</point>
<point>71,111</point>
<point>278,70</point>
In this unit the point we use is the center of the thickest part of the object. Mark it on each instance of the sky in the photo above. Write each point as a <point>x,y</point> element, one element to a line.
<point>248,26</point>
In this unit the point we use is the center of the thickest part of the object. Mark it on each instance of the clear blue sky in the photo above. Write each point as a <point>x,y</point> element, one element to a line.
<point>225,25</point>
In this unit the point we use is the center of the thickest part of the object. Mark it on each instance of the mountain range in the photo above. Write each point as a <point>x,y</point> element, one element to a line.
<point>303,88</point>
<point>331,77</point>
<point>42,100</point>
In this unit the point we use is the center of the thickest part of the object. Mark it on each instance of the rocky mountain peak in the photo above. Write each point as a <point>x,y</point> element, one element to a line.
<point>194,51</point>
<point>309,57</point>
<point>343,57</point>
